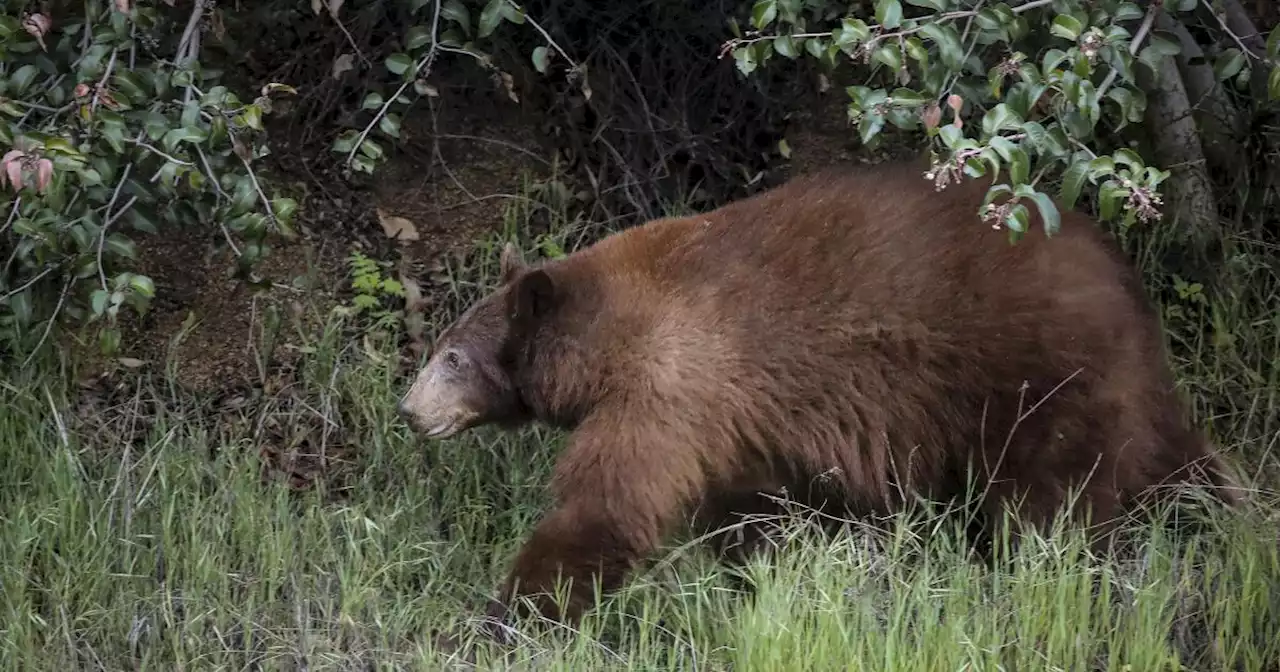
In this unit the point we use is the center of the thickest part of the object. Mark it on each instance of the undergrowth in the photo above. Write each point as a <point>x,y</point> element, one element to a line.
<point>141,535</point>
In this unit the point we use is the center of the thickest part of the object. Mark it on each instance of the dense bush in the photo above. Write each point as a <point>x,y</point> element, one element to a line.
<point>109,125</point>
<point>115,120</point>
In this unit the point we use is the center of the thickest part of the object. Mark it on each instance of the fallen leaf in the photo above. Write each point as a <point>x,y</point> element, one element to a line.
<point>397,228</point>
<point>342,64</point>
<point>415,323</point>
<point>130,362</point>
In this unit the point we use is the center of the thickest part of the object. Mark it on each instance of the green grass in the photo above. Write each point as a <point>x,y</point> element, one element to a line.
<point>146,539</point>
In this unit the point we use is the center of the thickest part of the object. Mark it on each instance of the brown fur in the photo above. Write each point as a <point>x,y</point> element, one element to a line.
<point>858,330</point>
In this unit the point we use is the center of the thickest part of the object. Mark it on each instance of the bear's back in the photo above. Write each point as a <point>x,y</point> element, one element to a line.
<point>854,315</point>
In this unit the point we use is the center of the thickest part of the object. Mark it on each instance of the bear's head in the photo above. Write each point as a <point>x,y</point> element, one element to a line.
<point>471,378</point>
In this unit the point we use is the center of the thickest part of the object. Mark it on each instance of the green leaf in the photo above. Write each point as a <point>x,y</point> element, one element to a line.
<point>889,13</point>
<point>490,16</point>
<point>938,5</point>
<point>118,243</point>
<point>540,58</point>
<point>1073,183</point>
<point>98,301</point>
<point>140,221</point>
<point>390,124</point>
<point>814,46</point>
<point>999,118</point>
<point>1109,197</point>
<point>513,14</point>
<point>372,101</point>
<point>763,12</point>
<point>156,125</point>
<point>1127,11</point>
<point>995,190</point>
<point>905,96</point>
<point>916,50</point>
<point>143,285</point>
<point>252,117</point>
<point>20,306</point>
<point>1003,146</point>
<point>399,63</point>
<point>21,79</point>
<point>371,149</point>
<point>1052,59</point>
<point>888,55</point>
<point>346,141</point>
<point>950,135</point>
<point>1228,64</point>
<point>109,341</point>
<point>416,37</point>
<point>455,11</point>
<point>1128,157</point>
<point>1157,49</point>
<point>1049,215</point>
<point>870,126</point>
<point>1018,219</point>
<point>745,59</point>
<point>786,46</point>
<point>113,130</point>
<point>1019,165</point>
<point>950,48</point>
<point>1273,84</point>
<point>284,208</point>
<point>190,134</point>
<point>851,31</point>
<point>1273,43</point>
<point>1067,27</point>
<point>1131,106</point>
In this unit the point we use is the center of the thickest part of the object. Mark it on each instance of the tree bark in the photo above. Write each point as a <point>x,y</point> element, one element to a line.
<point>1220,123</point>
<point>1190,206</point>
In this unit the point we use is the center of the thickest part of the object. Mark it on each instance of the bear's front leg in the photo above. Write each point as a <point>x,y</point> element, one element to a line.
<point>579,545</point>
<point>619,488</point>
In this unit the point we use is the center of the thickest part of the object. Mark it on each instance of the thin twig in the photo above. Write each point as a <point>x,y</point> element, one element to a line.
<point>350,40</point>
<point>1232,34</point>
<point>13,214</point>
<point>66,287</point>
<point>545,36</point>
<point>30,282</point>
<point>266,202</point>
<point>503,143</point>
<point>157,152</point>
<point>421,68</point>
<point>1134,45</point>
<point>102,235</point>
<point>945,16</point>
<point>221,194</point>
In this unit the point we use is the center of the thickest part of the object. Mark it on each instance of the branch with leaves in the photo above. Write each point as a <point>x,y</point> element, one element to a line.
<point>1053,85</point>
<point>112,145</point>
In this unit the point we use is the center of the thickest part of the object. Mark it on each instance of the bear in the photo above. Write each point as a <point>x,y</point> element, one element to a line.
<point>852,338</point>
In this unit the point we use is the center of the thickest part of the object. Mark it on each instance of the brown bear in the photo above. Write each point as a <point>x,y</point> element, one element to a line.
<point>857,330</point>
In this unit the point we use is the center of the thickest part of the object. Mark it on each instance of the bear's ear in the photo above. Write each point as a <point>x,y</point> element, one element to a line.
<point>512,262</point>
<point>532,295</point>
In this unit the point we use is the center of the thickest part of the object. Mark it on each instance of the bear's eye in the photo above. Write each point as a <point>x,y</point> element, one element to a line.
<point>451,358</point>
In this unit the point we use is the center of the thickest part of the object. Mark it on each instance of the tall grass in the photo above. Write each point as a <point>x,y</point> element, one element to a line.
<point>141,536</point>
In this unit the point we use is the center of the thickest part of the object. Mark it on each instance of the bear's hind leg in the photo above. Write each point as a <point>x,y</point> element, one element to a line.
<point>739,524</point>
